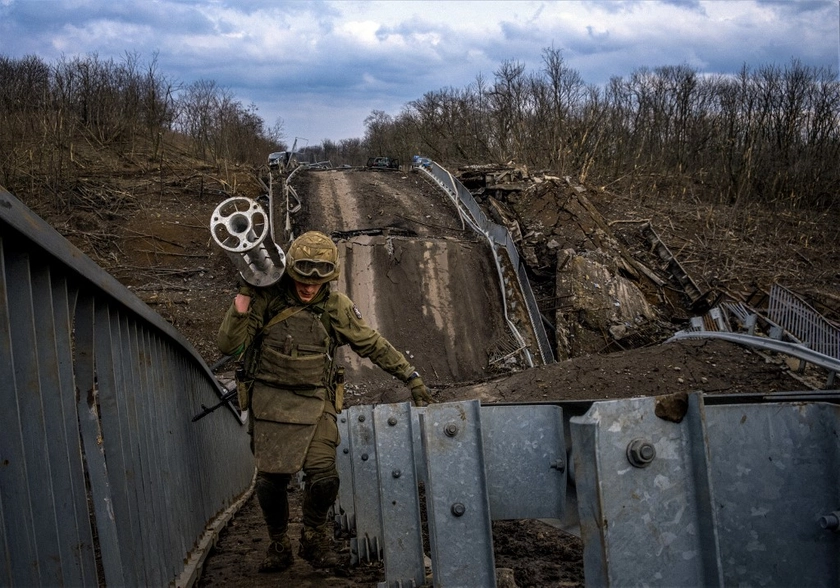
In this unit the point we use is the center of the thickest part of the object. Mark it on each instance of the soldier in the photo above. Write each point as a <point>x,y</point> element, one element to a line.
<point>288,333</point>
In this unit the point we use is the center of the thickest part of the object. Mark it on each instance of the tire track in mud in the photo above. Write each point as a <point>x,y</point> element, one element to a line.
<point>334,205</point>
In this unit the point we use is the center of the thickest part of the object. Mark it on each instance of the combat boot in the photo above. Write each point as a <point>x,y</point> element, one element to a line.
<point>316,547</point>
<point>278,557</point>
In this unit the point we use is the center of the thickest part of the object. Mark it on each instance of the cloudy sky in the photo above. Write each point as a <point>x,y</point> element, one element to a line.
<point>324,66</point>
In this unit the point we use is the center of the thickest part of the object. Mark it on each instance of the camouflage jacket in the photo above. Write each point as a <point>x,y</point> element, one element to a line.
<point>343,325</point>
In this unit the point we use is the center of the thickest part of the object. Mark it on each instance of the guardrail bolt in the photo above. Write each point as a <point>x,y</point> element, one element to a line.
<point>392,421</point>
<point>346,451</point>
<point>396,473</point>
<point>364,457</point>
<point>458,509</point>
<point>450,430</point>
<point>640,452</point>
<point>831,521</point>
<point>361,418</point>
<point>559,464</point>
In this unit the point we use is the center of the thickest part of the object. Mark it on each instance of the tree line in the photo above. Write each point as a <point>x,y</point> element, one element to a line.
<point>769,134</point>
<point>48,110</point>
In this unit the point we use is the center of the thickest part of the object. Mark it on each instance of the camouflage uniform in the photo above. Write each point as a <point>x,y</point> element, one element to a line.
<point>292,399</point>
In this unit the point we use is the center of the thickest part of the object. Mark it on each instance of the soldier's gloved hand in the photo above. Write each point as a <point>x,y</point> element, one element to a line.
<point>246,289</point>
<point>419,393</point>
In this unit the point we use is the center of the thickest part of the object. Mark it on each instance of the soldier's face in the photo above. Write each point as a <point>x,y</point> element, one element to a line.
<point>306,292</point>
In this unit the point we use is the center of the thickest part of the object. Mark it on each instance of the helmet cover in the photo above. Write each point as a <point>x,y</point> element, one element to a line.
<point>313,259</point>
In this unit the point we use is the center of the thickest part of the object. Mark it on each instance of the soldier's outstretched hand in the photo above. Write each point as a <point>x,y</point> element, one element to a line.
<point>419,393</point>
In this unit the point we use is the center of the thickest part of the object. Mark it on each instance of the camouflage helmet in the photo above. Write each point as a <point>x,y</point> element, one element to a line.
<point>312,259</point>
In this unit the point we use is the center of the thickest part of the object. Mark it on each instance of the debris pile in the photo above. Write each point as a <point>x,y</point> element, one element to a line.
<point>602,290</point>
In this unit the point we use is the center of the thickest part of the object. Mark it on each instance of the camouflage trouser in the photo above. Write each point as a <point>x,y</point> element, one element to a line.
<point>321,452</point>
<point>321,479</point>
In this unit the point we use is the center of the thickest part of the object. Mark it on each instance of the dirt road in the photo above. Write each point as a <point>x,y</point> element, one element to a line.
<point>351,200</point>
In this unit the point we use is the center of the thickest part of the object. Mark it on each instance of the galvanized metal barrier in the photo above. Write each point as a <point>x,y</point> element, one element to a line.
<point>477,464</point>
<point>794,329</point>
<point>732,494</point>
<point>498,236</point>
<point>720,492</point>
<point>803,322</point>
<point>99,460</point>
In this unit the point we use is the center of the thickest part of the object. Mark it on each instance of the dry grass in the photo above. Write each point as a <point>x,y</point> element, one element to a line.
<point>740,248</point>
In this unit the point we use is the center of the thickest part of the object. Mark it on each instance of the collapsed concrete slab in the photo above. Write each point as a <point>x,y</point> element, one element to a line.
<point>437,301</point>
<point>599,304</point>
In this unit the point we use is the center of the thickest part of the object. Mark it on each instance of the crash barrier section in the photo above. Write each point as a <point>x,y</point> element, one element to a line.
<point>499,237</point>
<point>803,322</point>
<point>689,490</point>
<point>104,478</point>
<point>795,329</point>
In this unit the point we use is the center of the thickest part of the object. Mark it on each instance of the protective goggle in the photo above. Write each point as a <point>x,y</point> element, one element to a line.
<point>314,267</point>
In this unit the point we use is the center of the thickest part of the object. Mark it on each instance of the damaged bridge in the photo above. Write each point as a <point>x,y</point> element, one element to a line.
<point>104,479</point>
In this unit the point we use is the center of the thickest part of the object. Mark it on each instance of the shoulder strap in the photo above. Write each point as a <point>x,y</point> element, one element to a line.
<point>281,316</point>
<point>321,309</point>
<point>292,310</point>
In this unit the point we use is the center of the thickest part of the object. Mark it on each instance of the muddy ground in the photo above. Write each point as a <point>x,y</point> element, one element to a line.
<point>401,238</point>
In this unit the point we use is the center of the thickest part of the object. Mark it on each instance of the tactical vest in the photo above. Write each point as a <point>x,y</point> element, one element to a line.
<point>296,351</point>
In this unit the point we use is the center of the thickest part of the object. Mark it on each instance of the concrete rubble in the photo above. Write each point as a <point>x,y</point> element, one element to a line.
<point>600,290</point>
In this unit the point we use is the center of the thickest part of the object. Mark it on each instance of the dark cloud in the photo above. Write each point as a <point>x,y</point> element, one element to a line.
<point>693,5</point>
<point>347,58</point>
<point>39,18</point>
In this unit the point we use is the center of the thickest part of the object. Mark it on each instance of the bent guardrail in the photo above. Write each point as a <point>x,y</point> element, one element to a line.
<point>100,460</point>
<point>498,236</point>
<point>794,329</point>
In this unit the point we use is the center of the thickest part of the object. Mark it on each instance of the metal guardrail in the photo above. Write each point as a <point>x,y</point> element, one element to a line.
<point>477,464</point>
<point>803,322</point>
<point>659,497</point>
<point>725,495</point>
<point>795,329</point>
<point>498,236</point>
<point>104,479</point>
<point>788,348</point>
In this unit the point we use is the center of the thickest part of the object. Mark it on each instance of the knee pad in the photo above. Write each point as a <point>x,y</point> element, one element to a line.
<point>322,486</point>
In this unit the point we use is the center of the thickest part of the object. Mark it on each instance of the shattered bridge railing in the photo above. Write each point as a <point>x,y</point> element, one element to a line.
<point>104,479</point>
<point>693,490</point>
<point>794,328</point>
<point>499,237</point>
<point>803,322</point>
